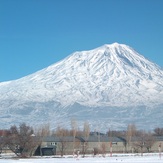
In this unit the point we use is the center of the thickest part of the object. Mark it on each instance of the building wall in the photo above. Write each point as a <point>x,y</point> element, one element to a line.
<point>68,147</point>
<point>117,147</point>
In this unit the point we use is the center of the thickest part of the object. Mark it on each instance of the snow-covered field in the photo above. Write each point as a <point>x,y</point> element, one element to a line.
<point>148,158</point>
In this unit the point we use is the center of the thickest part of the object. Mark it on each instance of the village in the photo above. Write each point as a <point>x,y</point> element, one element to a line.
<point>24,142</point>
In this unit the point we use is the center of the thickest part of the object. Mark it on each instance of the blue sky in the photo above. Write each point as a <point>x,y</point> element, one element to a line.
<point>37,33</point>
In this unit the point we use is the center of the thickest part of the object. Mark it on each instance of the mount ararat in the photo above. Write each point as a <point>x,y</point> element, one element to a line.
<point>110,86</point>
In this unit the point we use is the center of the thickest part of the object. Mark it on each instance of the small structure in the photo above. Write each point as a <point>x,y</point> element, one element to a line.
<point>95,144</point>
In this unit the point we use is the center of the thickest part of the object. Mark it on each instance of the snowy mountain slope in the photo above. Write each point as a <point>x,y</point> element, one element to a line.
<point>111,76</point>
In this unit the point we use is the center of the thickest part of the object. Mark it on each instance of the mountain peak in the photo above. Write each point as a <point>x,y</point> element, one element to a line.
<point>111,76</point>
<point>114,48</point>
<point>98,77</point>
<point>115,45</point>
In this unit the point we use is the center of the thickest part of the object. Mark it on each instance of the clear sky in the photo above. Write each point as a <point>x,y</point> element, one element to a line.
<point>37,33</point>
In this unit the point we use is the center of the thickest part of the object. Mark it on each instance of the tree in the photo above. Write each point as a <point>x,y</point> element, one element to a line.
<point>103,149</point>
<point>130,133</point>
<point>149,141</point>
<point>21,140</point>
<point>61,133</point>
<point>143,141</point>
<point>41,132</point>
<point>74,130</point>
<point>86,133</point>
<point>3,134</point>
<point>158,131</point>
<point>1,144</point>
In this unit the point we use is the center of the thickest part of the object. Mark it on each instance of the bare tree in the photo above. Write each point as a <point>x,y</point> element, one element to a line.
<point>1,144</point>
<point>139,142</point>
<point>41,132</point>
<point>3,134</point>
<point>86,133</point>
<point>100,150</point>
<point>74,130</point>
<point>20,140</point>
<point>62,134</point>
<point>103,149</point>
<point>158,131</point>
<point>95,151</point>
<point>149,141</point>
<point>143,141</point>
<point>130,133</point>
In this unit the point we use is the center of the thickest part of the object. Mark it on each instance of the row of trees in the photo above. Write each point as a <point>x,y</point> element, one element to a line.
<point>139,139</point>
<point>23,140</point>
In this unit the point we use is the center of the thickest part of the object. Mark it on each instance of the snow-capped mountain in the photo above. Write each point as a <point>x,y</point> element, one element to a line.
<point>112,83</point>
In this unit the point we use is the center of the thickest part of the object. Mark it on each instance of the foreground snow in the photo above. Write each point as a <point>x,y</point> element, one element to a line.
<point>147,158</point>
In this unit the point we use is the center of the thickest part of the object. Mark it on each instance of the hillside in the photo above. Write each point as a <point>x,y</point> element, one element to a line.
<point>112,85</point>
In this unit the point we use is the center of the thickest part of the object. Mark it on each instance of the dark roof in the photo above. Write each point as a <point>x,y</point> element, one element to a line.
<point>158,138</point>
<point>58,139</point>
<point>96,133</point>
<point>94,138</point>
<point>103,138</point>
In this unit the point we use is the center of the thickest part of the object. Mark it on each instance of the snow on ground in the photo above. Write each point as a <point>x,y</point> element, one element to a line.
<point>148,158</point>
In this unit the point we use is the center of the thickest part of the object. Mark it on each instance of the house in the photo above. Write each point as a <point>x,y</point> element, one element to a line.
<point>98,144</point>
<point>52,145</point>
<point>95,143</point>
<point>157,146</point>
